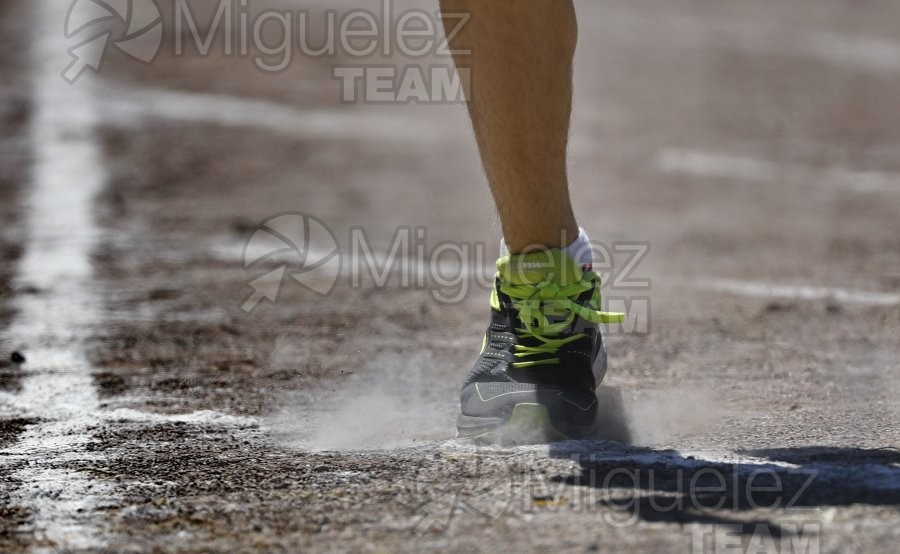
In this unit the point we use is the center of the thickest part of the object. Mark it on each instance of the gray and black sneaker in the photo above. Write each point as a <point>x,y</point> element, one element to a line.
<point>543,355</point>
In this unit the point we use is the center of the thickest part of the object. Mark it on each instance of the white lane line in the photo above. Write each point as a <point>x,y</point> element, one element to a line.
<point>709,164</point>
<point>801,292</point>
<point>446,270</point>
<point>761,38</point>
<point>132,107</point>
<point>57,388</point>
<point>851,51</point>
<point>861,52</point>
<point>705,164</point>
<point>629,455</point>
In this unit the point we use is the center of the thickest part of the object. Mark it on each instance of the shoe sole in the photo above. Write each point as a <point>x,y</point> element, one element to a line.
<point>530,423</point>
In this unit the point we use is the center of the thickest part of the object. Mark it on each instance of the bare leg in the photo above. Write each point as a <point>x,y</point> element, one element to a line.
<point>520,104</point>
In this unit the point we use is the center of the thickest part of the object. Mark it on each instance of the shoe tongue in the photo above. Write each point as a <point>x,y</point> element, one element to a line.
<point>536,267</point>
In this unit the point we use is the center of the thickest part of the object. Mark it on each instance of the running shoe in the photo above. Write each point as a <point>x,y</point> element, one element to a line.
<point>543,355</point>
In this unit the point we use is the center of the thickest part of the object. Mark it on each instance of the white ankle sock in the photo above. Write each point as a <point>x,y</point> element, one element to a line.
<point>580,250</point>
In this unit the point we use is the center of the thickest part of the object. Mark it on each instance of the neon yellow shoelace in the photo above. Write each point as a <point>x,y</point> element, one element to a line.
<point>534,302</point>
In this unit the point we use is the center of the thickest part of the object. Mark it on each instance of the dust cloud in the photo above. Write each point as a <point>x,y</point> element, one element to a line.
<point>395,400</point>
<point>400,399</point>
<point>660,417</point>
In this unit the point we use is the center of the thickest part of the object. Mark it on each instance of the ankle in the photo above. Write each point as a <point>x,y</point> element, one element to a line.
<point>579,249</point>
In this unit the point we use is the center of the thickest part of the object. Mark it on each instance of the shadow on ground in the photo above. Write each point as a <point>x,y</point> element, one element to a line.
<point>665,486</point>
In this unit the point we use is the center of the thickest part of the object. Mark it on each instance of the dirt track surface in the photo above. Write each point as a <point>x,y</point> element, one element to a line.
<point>753,145</point>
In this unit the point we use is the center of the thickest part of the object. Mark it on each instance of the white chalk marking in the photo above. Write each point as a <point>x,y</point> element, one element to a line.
<point>413,270</point>
<point>708,164</point>
<point>130,106</point>
<point>861,52</point>
<point>58,389</point>
<point>762,38</point>
<point>801,292</point>
<point>864,476</point>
